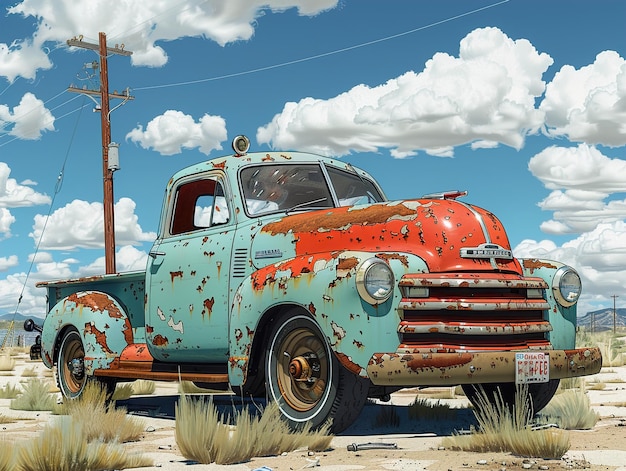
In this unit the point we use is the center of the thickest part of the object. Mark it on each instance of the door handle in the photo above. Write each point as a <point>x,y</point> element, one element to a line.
<point>156,254</point>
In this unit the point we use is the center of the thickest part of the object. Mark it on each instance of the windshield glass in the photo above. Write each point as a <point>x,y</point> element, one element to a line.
<point>271,188</point>
<point>292,187</point>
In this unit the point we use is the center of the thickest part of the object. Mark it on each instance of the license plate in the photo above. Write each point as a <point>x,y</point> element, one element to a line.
<point>532,367</point>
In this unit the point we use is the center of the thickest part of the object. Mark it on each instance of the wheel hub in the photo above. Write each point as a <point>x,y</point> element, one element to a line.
<point>305,368</point>
<point>76,367</point>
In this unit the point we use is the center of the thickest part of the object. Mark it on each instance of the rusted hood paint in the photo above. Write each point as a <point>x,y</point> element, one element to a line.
<point>435,230</point>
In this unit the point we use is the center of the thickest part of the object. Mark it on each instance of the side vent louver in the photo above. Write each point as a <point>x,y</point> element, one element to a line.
<point>240,263</point>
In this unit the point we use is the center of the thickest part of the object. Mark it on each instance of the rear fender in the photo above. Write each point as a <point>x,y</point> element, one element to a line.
<point>101,322</point>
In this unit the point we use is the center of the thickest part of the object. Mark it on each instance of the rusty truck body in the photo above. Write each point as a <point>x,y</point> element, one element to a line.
<point>291,276</point>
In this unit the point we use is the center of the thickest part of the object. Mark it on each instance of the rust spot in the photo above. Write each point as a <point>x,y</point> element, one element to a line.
<point>534,264</point>
<point>159,340</point>
<point>416,362</point>
<point>347,362</point>
<point>127,330</point>
<point>101,337</point>
<point>208,306</point>
<point>404,260</point>
<point>97,302</point>
<point>176,274</point>
<point>358,344</point>
<point>347,263</point>
<point>313,222</point>
<point>238,335</point>
<point>312,308</point>
<point>221,164</point>
<point>149,329</point>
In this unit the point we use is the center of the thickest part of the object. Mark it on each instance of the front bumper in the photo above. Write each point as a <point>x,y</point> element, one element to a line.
<point>449,369</point>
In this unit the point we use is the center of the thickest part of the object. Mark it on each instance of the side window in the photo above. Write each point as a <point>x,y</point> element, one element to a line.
<point>199,204</point>
<point>352,189</point>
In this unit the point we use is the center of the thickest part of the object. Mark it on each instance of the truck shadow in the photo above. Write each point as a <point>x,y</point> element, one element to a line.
<point>375,418</point>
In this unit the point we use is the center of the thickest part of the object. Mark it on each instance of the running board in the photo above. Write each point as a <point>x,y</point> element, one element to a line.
<point>136,363</point>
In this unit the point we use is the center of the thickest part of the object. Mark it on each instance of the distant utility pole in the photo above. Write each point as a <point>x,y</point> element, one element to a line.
<point>614,312</point>
<point>107,170</point>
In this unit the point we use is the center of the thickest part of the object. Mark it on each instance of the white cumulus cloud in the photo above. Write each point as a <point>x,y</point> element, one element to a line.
<point>137,24</point>
<point>28,119</point>
<point>174,131</point>
<point>589,104</point>
<point>485,96</point>
<point>80,224</point>
<point>584,182</point>
<point>15,195</point>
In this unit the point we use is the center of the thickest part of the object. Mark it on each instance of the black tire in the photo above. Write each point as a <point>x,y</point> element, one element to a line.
<point>298,350</point>
<point>539,394</point>
<point>71,375</point>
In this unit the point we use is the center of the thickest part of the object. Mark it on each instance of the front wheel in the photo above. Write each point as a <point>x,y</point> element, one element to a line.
<point>538,394</point>
<point>305,378</point>
<point>71,375</point>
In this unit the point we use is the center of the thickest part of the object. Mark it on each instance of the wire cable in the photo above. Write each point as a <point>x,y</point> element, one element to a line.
<point>324,54</point>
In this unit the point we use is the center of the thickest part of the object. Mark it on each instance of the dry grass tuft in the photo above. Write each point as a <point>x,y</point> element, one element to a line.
<point>6,456</point>
<point>423,409</point>
<point>122,392</point>
<point>203,435</point>
<point>596,386</point>
<point>143,387</point>
<point>101,421</point>
<point>63,447</point>
<point>571,411</point>
<point>29,373</point>
<point>36,396</point>
<point>6,363</point>
<point>501,430</point>
<point>5,419</point>
<point>9,391</point>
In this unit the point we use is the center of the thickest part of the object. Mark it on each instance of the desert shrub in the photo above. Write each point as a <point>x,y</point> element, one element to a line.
<point>6,456</point>
<point>142,387</point>
<point>571,383</point>
<point>63,447</point>
<point>29,373</point>
<point>123,392</point>
<point>6,363</point>
<point>36,396</point>
<point>571,411</point>
<point>9,391</point>
<point>99,419</point>
<point>205,436</point>
<point>423,409</point>
<point>503,430</point>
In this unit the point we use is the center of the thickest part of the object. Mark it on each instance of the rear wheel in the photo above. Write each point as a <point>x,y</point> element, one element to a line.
<point>538,394</point>
<point>305,378</point>
<point>71,375</point>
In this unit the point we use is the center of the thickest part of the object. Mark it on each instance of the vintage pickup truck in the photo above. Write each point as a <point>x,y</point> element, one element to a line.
<point>291,276</point>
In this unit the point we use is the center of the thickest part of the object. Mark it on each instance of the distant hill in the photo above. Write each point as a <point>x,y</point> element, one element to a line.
<point>18,318</point>
<point>602,319</point>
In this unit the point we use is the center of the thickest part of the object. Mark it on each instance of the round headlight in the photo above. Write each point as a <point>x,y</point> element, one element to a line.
<point>566,286</point>
<point>375,281</point>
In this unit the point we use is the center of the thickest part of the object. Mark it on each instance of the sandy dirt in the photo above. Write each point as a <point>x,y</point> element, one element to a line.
<point>410,445</point>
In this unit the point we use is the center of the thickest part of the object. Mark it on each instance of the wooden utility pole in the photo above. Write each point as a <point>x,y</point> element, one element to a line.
<point>107,171</point>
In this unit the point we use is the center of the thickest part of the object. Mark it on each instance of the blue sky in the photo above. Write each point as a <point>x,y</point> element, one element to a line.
<point>521,102</point>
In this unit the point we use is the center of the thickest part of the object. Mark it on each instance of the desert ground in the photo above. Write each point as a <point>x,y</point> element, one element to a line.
<point>406,445</point>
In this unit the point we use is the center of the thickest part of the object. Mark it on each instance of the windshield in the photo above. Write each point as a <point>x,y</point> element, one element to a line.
<point>291,187</point>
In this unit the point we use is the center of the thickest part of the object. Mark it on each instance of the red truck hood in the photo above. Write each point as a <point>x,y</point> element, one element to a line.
<point>434,229</point>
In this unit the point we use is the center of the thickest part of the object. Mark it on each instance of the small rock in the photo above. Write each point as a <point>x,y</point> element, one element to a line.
<point>150,429</point>
<point>311,453</point>
<point>527,465</point>
<point>165,447</point>
<point>481,462</point>
<point>441,448</point>
<point>543,467</point>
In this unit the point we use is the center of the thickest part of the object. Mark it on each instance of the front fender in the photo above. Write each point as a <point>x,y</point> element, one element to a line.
<point>101,322</point>
<point>325,286</point>
<point>562,319</point>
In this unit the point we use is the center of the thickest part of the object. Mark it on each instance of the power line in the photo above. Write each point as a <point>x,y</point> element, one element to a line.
<point>324,54</point>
